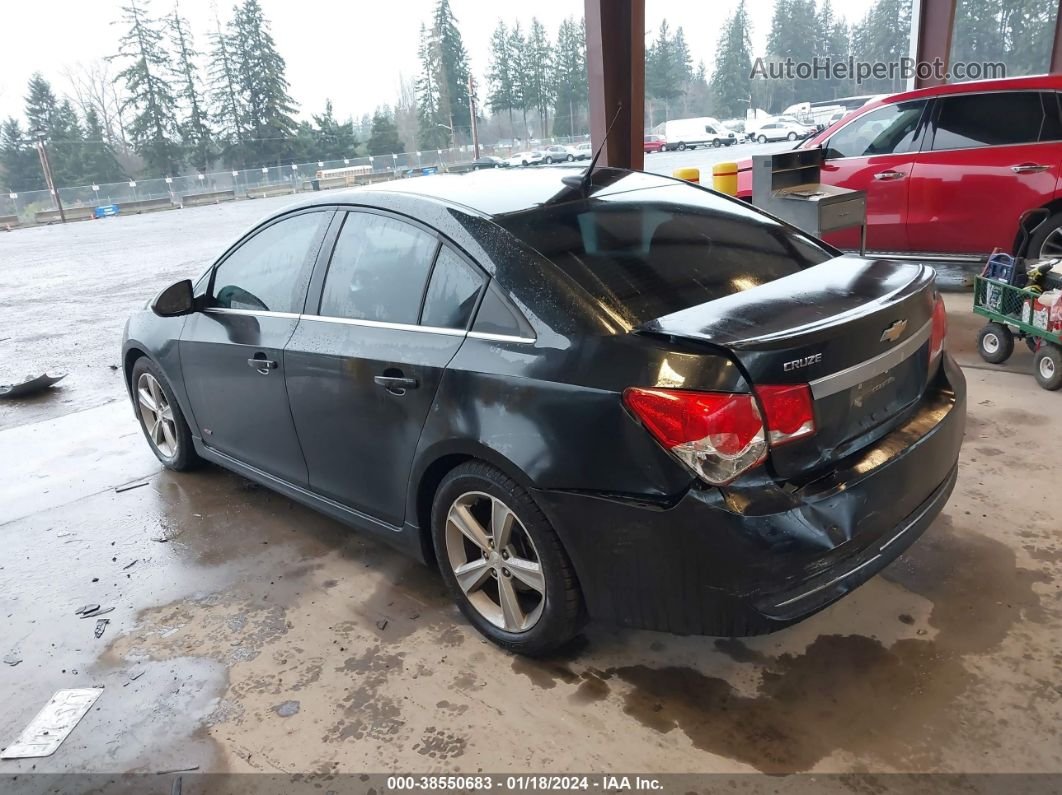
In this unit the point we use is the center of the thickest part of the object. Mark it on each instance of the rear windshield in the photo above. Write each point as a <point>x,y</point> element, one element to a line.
<point>650,252</point>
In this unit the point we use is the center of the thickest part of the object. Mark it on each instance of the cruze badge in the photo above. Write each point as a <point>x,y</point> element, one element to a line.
<point>893,332</point>
<point>796,364</point>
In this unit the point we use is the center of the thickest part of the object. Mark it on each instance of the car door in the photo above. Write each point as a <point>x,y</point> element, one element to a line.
<point>385,318</point>
<point>875,153</point>
<point>232,351</point>
<point>989,157</point>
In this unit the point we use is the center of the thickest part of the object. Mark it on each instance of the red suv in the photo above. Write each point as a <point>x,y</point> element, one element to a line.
<point>949,170</point>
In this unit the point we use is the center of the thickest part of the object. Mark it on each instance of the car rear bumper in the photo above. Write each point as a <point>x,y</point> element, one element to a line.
<point>749,560</point>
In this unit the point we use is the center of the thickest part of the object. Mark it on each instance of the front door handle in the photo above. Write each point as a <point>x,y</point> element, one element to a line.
<point>884,176</point>
<point>262,364</point>
<point>395,384</point>
<point>1029,168</point>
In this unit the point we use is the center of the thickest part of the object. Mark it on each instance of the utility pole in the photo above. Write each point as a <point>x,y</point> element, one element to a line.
<point>46,167</point>
<point>472,113</point>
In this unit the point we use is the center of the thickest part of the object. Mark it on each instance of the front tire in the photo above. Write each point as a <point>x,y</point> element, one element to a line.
<point>716,143</point>
<point>681,147</point>
<point>995,343</point>
<point>1046,242</point>
<point>161,419</point>
<point>503,563</point>
<point>1048,366</point>
<point>570,158</point>
<point>791,137</point>
<point>762,139</point>
<point>549,161</point>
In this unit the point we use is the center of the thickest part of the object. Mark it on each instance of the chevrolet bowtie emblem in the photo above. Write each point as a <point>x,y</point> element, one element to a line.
<point>894,332</point>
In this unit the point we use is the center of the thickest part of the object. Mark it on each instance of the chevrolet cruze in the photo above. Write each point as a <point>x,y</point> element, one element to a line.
<point>620,397</point>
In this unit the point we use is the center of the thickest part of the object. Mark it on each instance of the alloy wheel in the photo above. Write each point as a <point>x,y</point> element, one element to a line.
<point>1052,245</point>
<point>157,415</point>
<point>495,562</point>
<point>990,342</point>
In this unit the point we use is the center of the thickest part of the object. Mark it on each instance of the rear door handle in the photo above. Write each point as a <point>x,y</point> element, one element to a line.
<point>883,176</point>
<point>1029,168</point>
<point>396,384</point>
<point>262,364</point>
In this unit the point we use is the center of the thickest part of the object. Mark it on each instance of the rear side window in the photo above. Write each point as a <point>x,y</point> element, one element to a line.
<point>452,292</point>
<point>647,253</point>
<point>1052,130</point>
<point>1002,118</point>
<point>378,270</point>
<point>267,272</point>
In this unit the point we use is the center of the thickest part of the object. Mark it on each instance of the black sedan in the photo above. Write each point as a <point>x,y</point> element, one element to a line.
<point>622,397</point>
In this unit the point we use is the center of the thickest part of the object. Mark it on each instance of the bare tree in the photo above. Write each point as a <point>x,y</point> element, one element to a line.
<point>92,85</point>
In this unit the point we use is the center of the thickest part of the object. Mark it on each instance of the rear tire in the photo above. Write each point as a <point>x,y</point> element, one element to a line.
<point>681,147</point>
<point>161,419</point>
<point>1048,366</point>
<point>716,143</point>
<point>762,139</point>
<point>995,343</point>
<point>538,621</point>
<point>570,158</point>
<point>1046,242</point>
<point>792,136</point>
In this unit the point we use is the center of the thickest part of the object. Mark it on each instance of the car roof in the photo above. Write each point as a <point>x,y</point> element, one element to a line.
<point>494,191</point>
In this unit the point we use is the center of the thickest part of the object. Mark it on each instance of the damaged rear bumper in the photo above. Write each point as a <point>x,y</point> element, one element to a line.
<point>755,558</point>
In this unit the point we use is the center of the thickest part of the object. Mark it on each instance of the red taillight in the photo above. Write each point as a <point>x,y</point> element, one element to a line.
<point>790,412</point>
<point>939,332</point>
<point>716,434</point>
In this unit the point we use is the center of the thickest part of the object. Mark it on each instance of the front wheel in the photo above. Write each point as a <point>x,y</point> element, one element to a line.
<point>570,158</point>
<point>995,343</point>
<point>762,139</point>
<point>1046,241</point>
<point>160,416</point>
<point>792,136</point>
<point>549,161</point>
<point>716,143</point>
<point>1048,366</point>
<point>503,563</point>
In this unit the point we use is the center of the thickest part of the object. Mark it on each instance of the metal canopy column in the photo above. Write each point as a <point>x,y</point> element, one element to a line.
<point>615,55</point>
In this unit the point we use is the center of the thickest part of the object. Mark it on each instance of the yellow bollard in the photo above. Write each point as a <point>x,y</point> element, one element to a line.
<point>689,174</point>
<point>725,178</point>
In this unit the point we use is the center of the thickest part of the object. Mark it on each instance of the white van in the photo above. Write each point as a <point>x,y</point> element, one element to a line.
<point>689,133</point>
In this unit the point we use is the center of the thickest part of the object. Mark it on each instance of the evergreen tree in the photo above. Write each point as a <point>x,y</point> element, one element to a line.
<point>501,75</point>
<point>883,35</point>
<point>794,33</point>
<point>539,85</point>
<point>263,87</point>
<point>153,128</point>
<point>41,104</point>
<point>228,112</point>
<point>193,126</point>
<point>335,139</point>
<point>453,69</point>
<point>730,80</point>
<point>18,159</point>
<point>66,146</point>
<point>518,52</point>
<point>667,68</point>
<point>384,138</point>
<point>571,85</point>
<point>432,131</point>
<point>99,162</point>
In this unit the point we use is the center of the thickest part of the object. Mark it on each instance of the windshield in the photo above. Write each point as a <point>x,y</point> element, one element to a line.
<point>647,253</point>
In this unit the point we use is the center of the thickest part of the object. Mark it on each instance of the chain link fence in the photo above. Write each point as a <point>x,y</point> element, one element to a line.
<point>39,206</point>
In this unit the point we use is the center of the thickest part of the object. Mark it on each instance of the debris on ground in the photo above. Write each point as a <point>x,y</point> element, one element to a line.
<point>30,385</point>
<point>12,659</point>
<point>287,709</point>
<point>381,624</point>
<point>99,611</point>
<point>176,770</point>
<point>137,675</point>
<point>53,724</point>
<point>128,566</point>
<point>101,627</point>
<point>81,611</point>
<point>129,486</point>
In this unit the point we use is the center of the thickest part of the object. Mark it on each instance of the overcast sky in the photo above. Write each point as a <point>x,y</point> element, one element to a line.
<point>351,51</point>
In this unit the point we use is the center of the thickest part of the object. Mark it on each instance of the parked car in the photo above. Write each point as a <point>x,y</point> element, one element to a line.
<point>632,399</point>
<point>782,131</point>
<point>558,154</point>
<point>525,158</point>
<point>682,134</point>
<point>486,161</point>
<point>949,170</point>
<point>653,143</point>
<point>584,151</point>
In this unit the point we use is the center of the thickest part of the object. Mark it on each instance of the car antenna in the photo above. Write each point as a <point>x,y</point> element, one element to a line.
<point>583,182</point>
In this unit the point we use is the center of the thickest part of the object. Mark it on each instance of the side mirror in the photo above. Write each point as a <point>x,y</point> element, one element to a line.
<point>175,300</point>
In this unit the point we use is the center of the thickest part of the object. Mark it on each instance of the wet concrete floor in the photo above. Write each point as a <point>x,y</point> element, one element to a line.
<point>251,634</point>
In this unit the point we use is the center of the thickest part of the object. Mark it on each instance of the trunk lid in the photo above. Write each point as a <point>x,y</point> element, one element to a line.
<point>857,330</point>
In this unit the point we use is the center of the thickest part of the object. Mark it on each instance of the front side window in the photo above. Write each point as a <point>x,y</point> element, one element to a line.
<point>1002,118</point>
<point>885,131</point>
<point>452,292</point>
<point>378,270</point>
<point>267,272</point>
